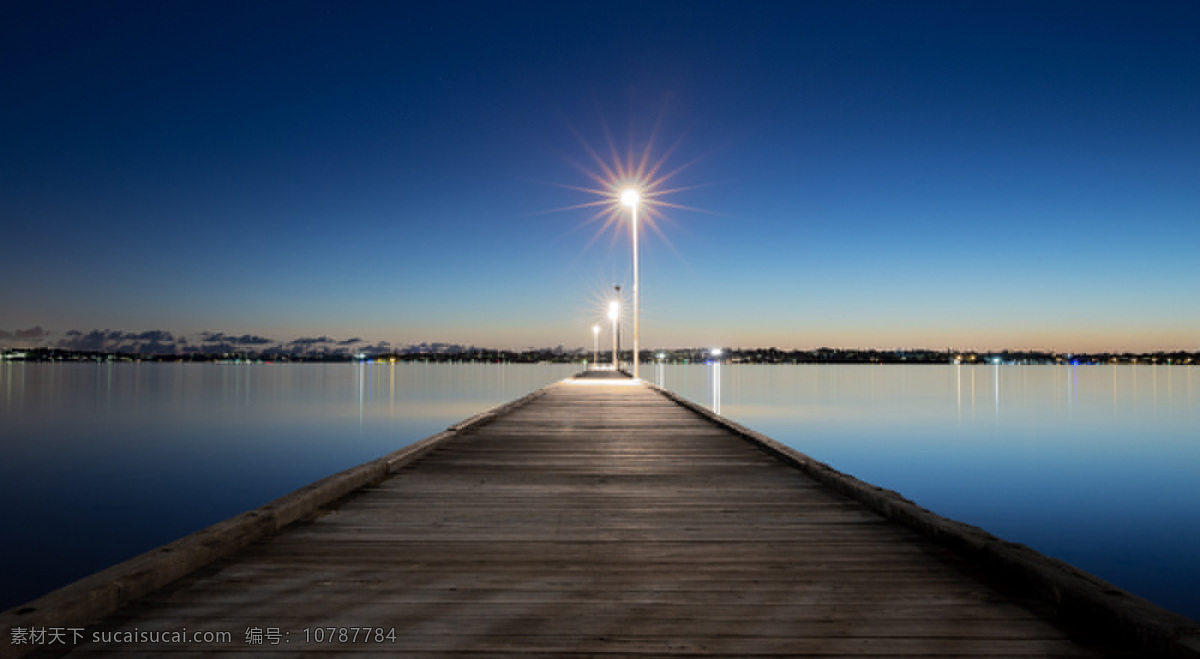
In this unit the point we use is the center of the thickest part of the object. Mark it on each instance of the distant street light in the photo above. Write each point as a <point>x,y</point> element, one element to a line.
<point>630,197</point>
<point>613,313</point>
<point>595,346</point>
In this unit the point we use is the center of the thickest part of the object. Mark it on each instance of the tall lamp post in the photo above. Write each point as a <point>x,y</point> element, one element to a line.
<point>595,346</point>
<point>630,198</point>
<point>613,312</point>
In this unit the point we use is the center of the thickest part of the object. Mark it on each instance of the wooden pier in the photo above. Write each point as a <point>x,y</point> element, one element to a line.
<point>599,517</point>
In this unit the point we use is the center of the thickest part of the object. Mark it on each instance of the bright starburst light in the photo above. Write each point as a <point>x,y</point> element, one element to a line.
<point>624,181</point>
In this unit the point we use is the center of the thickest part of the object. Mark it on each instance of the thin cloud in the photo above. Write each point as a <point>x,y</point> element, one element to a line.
<point>31,336</point>
<point>164,342</point>
<point>309,341</point>
<point>245,339</point>
<point>153,342</point>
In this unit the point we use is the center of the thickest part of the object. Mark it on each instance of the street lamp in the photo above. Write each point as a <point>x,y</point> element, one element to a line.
<point>595,346</point>
<point>613,313</point>
<point>630,197</point>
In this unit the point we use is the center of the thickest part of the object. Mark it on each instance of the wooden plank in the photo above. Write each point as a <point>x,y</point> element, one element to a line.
<point>600,520</point>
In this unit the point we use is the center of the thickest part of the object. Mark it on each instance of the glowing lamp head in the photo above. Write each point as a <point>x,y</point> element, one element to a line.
<point>613,310</point>
<point>630,197</point>
<point>595,329</point>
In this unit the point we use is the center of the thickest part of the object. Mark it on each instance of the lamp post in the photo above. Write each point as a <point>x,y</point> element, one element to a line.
<point>595,346</point>
<point>630,198</point>
<point>617,291</point>
<point>613,311</point>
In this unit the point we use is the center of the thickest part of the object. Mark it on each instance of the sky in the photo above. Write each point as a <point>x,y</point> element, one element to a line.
<point>975,175</point>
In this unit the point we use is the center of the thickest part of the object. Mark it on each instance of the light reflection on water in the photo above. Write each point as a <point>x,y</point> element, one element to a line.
<point>99,462</point>
<point>1096,465</point>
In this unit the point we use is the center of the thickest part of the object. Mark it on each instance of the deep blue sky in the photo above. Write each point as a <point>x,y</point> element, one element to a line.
<point>892,174</point>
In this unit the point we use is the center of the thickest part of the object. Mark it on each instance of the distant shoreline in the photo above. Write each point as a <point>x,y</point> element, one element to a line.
<point>580,355</point>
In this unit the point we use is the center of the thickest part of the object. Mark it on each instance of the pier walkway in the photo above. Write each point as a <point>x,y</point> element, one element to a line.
<point>598,517</point>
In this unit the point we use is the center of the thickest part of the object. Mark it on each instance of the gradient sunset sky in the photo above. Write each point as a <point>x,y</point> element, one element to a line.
<point>850,174</point>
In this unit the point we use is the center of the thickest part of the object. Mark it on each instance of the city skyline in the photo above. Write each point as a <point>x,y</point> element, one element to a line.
<point>163,343</point>
<point>872,175</point>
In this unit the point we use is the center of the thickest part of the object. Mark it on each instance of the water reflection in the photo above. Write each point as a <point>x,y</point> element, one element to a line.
<point>362,374</point>
<point>958,390</point>
<point>96,450</point>
<point>1092,464</point>
<point>714,377</point>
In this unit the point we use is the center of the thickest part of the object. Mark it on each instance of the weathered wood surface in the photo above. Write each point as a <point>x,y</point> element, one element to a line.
<point>600,519</point>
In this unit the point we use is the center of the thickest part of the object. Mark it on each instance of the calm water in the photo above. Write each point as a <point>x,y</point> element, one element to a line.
<point>1094,465</point>
<point>101,462</point>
